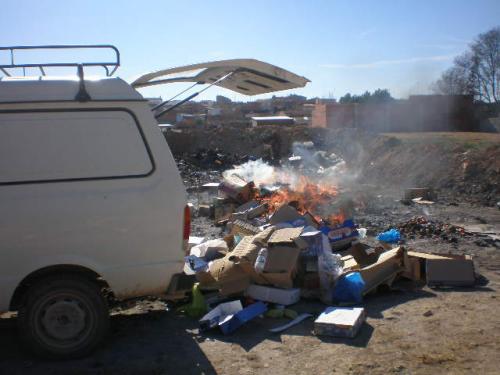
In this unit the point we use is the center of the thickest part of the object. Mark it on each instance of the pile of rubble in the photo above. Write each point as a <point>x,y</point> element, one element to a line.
<point>424,227</point>
<point>283,243</point>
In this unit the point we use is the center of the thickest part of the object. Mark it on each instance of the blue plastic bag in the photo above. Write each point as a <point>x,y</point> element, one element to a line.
<point>391,236</point>
<point>349,288</point>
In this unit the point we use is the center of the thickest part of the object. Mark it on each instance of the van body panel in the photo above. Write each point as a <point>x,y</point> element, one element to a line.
<point>126,228</point>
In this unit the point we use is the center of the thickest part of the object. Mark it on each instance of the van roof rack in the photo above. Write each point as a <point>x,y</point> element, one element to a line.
<point>110,67</point>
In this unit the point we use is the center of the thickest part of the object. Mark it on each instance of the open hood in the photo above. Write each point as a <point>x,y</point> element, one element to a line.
<point>245,76</point>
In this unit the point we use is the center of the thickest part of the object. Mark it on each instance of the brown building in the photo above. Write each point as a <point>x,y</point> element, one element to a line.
<point>418,113</point>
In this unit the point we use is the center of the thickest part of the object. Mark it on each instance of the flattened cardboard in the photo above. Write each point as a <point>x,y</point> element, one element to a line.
<point>450,272</point>
<point>360,254</point>
<point>388,265</point>
<point>428,255</point>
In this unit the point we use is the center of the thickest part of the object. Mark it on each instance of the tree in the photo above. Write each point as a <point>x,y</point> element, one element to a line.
<point>475,72</point>
<point>378,96</point>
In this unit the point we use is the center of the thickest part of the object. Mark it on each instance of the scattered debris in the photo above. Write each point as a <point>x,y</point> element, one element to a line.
<point>425,227</point>
<point>274,295</point>
<point>230,316</point>
<point>294,322</point>
<point>283,240</point>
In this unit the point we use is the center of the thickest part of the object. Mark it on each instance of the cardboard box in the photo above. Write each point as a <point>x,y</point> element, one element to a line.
<point>456,271</point>
<point>283,250</point>
<point>388,265</point>
<point>229,277</point>
<point>219,314</point>
<point>245,254</point>
<point>242,228</point>
<point>313,243</point>
<point>236,188</point>
<point>416,254</point>
<point>285,214</point>
<point>236,318</point>
<point>412,268</point>
<point>340,321</point>
<point>274,295</point>
<point>361,254</point>
<point>342,234</point>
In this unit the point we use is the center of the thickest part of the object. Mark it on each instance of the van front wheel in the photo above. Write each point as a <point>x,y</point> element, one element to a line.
<point>63,317</point>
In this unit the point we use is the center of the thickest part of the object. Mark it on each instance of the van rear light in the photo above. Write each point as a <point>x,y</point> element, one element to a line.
<point>187,223</point>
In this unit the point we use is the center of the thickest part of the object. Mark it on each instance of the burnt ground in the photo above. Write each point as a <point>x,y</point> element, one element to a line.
<point>410,329</point>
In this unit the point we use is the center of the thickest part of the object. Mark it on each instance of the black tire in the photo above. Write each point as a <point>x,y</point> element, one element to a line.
<point>63,317</point>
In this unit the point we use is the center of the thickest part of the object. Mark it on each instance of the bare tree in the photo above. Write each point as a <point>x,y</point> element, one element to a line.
<point>486,65</point>
<point>475,72</point>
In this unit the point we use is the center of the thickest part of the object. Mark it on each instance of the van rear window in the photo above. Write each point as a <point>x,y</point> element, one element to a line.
<point>52,146</point>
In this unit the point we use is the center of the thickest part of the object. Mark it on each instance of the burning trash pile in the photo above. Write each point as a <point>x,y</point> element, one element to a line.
<point>288,237</point>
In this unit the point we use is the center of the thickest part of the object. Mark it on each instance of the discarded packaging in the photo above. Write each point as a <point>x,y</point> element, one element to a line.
<point>231,322</point>
<point>349,288</point>
<point>274,295</point>
<point>456,271</point>
<point>194,264</point>
<point>209,250</point>
<point>220,314</point>
<point>285,214</point>
<point>194,241</point>
<point>294,322</point>
<point>340,321</point>
<point>391,236</point>
<point>384,271</point>
<point>236,188</point>
<point>283,250</point>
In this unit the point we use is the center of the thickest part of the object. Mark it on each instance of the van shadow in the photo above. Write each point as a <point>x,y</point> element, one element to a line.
<point>151,342</point>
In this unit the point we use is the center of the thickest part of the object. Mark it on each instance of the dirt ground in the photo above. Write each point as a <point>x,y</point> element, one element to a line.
<point>409,330</point>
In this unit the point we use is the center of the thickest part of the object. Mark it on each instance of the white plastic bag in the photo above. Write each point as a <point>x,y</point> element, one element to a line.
<point>330,267</point>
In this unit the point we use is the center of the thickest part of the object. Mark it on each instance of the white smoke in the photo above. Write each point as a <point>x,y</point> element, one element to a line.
<point>263,174</point>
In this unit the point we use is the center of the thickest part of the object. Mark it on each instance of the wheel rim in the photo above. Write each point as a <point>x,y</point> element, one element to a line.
<point>64,320</point>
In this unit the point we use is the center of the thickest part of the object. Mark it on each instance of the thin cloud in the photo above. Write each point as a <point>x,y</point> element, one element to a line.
<point>367,32</point>
<point>381,63</point>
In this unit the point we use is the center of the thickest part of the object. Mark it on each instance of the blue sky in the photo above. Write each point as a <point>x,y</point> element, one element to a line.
<point>341,46</point>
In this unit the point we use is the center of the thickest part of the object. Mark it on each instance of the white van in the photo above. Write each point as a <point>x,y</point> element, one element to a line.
<point>91,200</point>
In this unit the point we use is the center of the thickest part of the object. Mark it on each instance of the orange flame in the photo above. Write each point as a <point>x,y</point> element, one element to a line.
<point>306,197</point>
